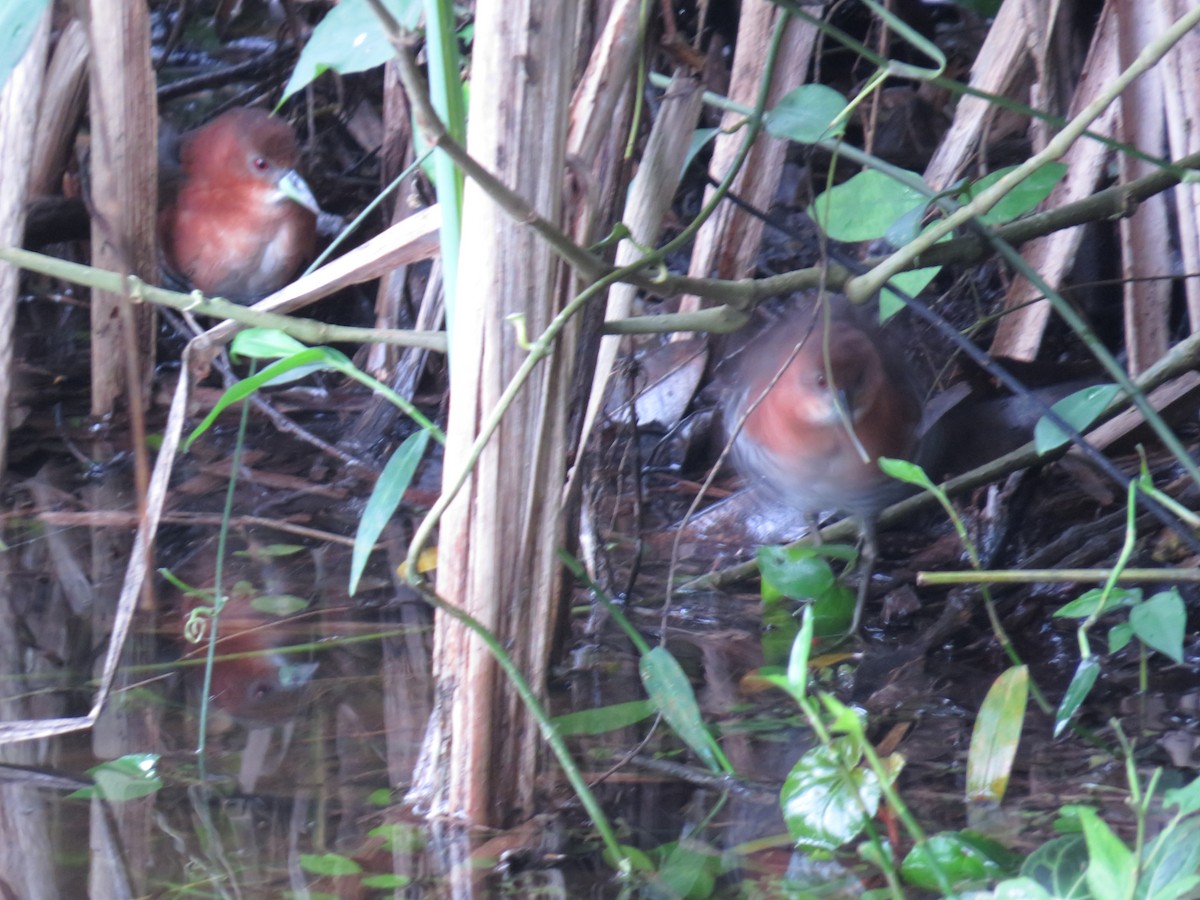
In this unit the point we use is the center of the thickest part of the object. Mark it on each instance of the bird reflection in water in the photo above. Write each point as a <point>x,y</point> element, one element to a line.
<point>258,678</point>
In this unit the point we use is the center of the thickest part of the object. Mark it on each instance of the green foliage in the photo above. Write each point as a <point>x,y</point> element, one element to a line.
<point>329,864</point>
<point>604,719</point>
<point>294,360</point>
<point>829,796</point>
<point>996,735</point>
<point>802,573</point>
<point>969,860</point>
<point>349,39</point>
<point>807,114</point>
<point>389,490</point>
<point>1079,410</point>
<point>18,22</point>
<point>672,694</point>
<point>128,777</point>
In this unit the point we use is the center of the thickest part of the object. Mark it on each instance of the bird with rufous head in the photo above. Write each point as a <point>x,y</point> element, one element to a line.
<point>819,397</point>
<point>242,222</point>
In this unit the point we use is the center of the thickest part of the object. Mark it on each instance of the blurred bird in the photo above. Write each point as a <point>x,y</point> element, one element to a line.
<point>242,222</point>
<point>819,399</point>
<point>254,677</point>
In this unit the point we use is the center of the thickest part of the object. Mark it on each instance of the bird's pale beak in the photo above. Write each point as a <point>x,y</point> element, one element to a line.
<point>296,189</point>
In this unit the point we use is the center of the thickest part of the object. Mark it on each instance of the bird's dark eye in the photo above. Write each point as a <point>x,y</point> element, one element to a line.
<point>822,381</point>
<point>261,164</point>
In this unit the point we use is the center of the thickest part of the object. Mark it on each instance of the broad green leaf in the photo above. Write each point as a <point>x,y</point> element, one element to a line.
<point>908,472</point>
<point>912,283</point>
<point>332,864</point>
<point>807,114</point>
<point>1171,862</point>
<point>689,870</point>
<point>827,798</point>
<point>271,551</point>
<point>965,858</point>
<point>18,23</point>
<point>996,735</point>
<point>350,39</point>
<point>1060,867</point>
<point>279,604</point>
<point>603,719</point>
<point>778,625</point>
<point>864,207</point>
<point>833,611</point>
<point>1081,684</point>
<point>1022,198</point>
<point>247,386</point>
<point>1119,636</point>
<point>1186,798</point>
<point>795,572</point>
<point>699,139</point>
<point>1079,411</point>
<point>1161,623</point>
<point>1020,889</point>
<point>672,693</point>
<point>1112,868</point>
<point>128,777</point>
<point>1089,601</point>
<point>264,343</point>
<point>385,497</point>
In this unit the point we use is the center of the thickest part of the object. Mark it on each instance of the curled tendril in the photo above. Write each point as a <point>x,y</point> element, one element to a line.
<point>195,626</point>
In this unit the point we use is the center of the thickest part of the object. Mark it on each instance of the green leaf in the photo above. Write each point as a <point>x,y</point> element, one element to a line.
<point>807,114</point>
<point>699,139</point>
<point>1161,623</point>
<point>1186,798</point>
<point>603,719</point>
<point>264,343</point>
<point>1021,199</point>
<point>827,798</point>
<point>18,23</point>
<point>1087,603</point>
<point>778,625</point>
<point>908,472</point>
<point>1060,867</point>
<point>1079,410</point>
<point>279,604</point>
<point>996,735</point>
<point>690,870</point>
<point>912,283</point>
<point>272,551</point>
<point>964,857</point>
<point>385,497</point>
<point>1081,684</point>
<point>350,39</point>
<point>126,778</point>
<point>672,694</point>
<point>796,572</point>
<point>247,386</point>
<point>1021,889</point>
<point>1119,636</point>
<point>388,882</point>
<point>1112,868</point>
<point>333,864</point>
<point>864,207</point>
<point>797,668</point>
<point>833,611</point>
<point>1171,862</point>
